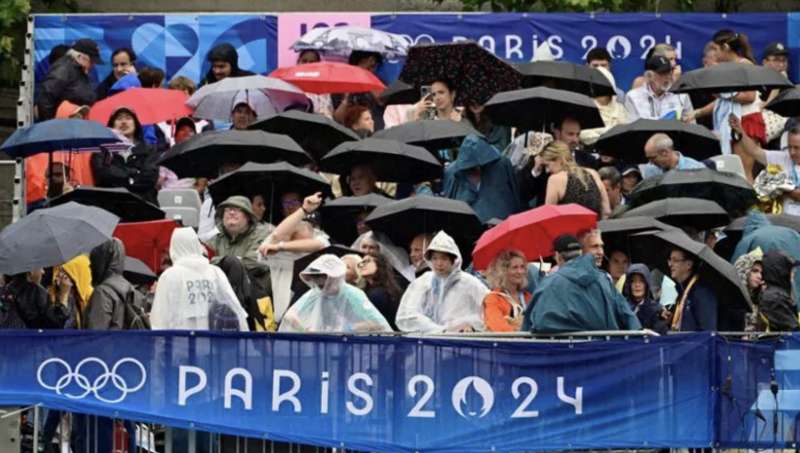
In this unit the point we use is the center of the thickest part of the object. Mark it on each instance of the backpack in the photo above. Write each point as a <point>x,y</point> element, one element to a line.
<point>133,303</point>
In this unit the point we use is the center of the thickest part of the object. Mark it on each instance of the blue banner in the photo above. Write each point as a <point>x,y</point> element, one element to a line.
<point>627,37</point>
<point>176,43</point>
<point>378,393</point>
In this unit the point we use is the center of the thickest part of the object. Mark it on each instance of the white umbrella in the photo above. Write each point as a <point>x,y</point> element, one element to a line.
<point>342,41</point>
<point>267,95</point>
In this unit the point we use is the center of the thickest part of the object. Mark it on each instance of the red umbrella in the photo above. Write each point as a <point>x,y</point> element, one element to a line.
<point>151,105</point>
<point>147,241</point>
<point>533,232</point>
<point>324,78</point>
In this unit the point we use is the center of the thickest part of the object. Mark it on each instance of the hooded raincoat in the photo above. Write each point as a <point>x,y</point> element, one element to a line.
<point>759,232</point>
<point>496,195</point>
<point>434,304</point>
<point>580,297</point>
<point>106,310</point>
<point>224,52</point>
<point>397,256</point>
<point>331,305</point>
<point>245,245</point>
<point>71,315</point>
<point>193,294</point>
<point>647,310</point>
<point>776,305</point>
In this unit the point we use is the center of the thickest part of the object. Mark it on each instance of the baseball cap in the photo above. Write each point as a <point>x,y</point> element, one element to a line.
<point>775,49</point>
<point>88,47</point>
<point>566,243</point>
<point>658,64</point>
<point>631,169</point>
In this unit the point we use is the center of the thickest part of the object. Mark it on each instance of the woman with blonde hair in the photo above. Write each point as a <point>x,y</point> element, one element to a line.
<point>508,277</point>
<point>569,183</point>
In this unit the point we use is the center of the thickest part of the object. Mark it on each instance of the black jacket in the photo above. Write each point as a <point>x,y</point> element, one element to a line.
<point>66,81</point>
<point>648,310</point>
<point>776,303</point>
<point>138,173</point>
<point>105,86</point>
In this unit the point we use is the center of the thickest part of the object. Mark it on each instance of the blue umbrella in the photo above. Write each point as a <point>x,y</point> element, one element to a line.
<point>56,135</point>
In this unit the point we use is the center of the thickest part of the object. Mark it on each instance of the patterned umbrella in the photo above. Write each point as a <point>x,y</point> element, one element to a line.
<point>474,71</point>
<point>342,41</point>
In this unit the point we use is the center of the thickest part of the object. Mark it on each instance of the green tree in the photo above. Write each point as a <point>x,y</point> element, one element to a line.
<point>573,5</point>
<point>12,22</point>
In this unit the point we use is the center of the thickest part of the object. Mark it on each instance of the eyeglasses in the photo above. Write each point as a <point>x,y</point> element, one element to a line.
<point>676,261</point>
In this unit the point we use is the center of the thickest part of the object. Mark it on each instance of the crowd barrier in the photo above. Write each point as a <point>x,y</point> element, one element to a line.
<point>432,394</point>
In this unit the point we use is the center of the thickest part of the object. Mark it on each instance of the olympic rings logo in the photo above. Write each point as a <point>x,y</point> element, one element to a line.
<point>99,383</point>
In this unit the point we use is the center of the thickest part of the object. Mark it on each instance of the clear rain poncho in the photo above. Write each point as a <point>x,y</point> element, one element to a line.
<point>331,305</point>
<point>434,304</point>
<point>397,256</point>
<point>193,294</point>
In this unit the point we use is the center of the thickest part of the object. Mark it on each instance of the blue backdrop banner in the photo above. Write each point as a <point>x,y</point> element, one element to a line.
<point>378,393</point>
<point>179,42</point>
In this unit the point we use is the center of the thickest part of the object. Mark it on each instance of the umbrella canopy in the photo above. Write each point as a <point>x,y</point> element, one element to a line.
<point>301,263</point>
<point>626,141</point>
<point>399,92</point>
<point>432,135</point>
<point>729,190</point>
<point>317,134</point>
<point>151,105</point>
<point>52,236</point>
<point>475,72</point>
<point>56,135</point>
<point>269,181</point>
<point>683,212</point>
<point>203,154</point>
<point>146,241</point>
<point>653,249</point>
<point>340,216</point>
<point>128,206</point>
<point>787,103</point>
<point>533,232</point>
<point>329,77</point>
<point>726,77</point>
<point>565,76</point>
<point>536,109</point>
<point>342,41</point>
<point>137,272</point>
<point>616,233</point>
<point>402,220</point>
<point>217,100</point>
<point>390,160</point>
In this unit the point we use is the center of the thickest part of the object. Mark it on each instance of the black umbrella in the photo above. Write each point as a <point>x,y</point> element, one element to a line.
<point>52,236</point>
<point>301,263</point>
<point>315,133</point>
<point>683,212</point>
<point>339,216</point>
<point>128,206</point>
<point>399,92</point>
<point>566,76</point>
<point>432,135</point>
<point>787,103</point>
<point>390,160</point>
<point>616,233</point>
<point>269,181</point>
<point>734,231</point>
<point>203,154</point>
<point>402,220</point>
<point>626,141</point>
<point>653,249</point>
<point>727,77</point>
<point>729,190</point>
<point>137,272</point>
<point>474,71</point>
<point>536,109</point>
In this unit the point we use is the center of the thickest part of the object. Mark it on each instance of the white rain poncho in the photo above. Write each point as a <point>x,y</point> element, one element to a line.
<point>397,256</point>
<point>331,305</point>
<point>193,294</point>
<point>434,304</point>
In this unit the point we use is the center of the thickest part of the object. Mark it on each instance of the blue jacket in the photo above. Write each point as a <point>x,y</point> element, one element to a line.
<point>700,308</point>
<point>759,232</point>
<point>497,194</point>
<point>580,297</point>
